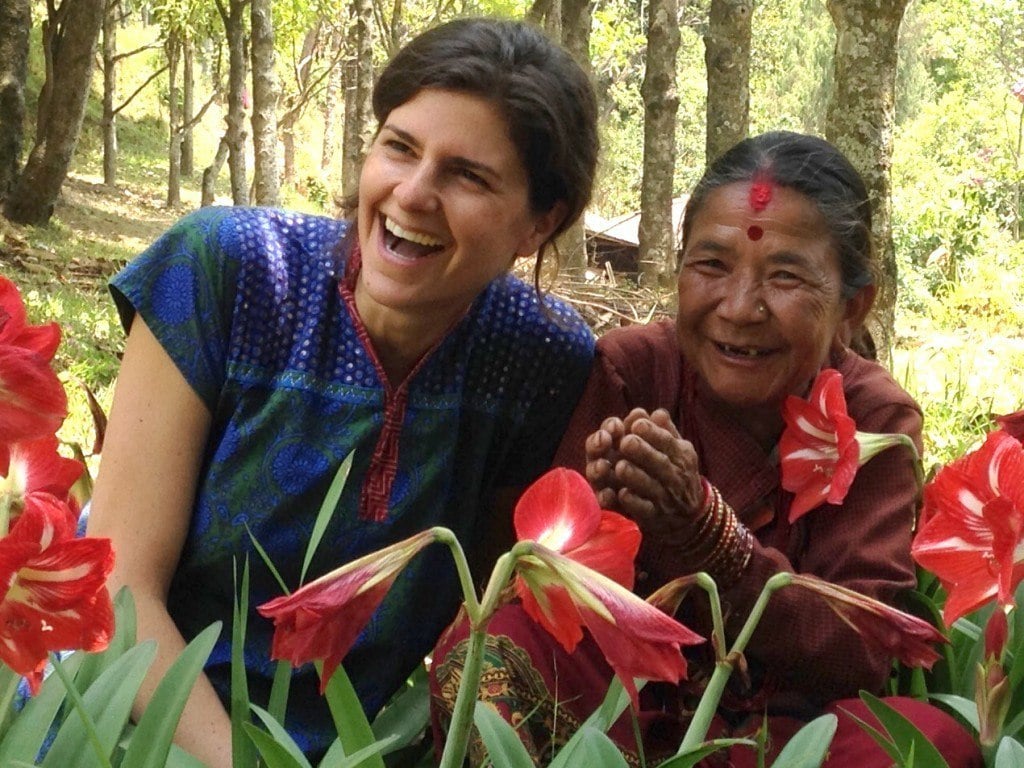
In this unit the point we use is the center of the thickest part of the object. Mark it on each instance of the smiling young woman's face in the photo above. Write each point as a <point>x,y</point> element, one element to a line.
<point>443,209</point>
<point>760,295</point>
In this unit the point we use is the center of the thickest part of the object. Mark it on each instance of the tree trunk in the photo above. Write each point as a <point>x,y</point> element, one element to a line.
<point>212,171</point>
<point>265,94</point>
<point>188,106</point>
<point>109,121</point>
<point>358,91</point>
<point>727,56</point>
<point>235,135</point>
<point>860,122</point>
<point>71,32</point>
<point>173,48</point>
<point>574,23</point>
<point>335,85</point>
<point>661,103</point>
<point>15,25</point>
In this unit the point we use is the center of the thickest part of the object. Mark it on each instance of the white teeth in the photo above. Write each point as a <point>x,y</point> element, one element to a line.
<point>405,234</point>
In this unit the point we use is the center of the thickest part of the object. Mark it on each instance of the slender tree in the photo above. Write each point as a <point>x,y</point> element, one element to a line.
<point>727,56</point>
<point>358,91</point>
<point>70,33</point>
<point>173,47</point>
<point>265,94</point>
<point>661,102</point>
<point>15,25</point>
<point>233,16</point>
<point>860,122</point>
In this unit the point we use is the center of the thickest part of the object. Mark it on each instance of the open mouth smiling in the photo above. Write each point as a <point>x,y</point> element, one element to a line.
<point>405,242</point>
<point>745,352</point>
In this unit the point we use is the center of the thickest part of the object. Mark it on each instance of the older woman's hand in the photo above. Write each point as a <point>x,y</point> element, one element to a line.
<point>642,467</point>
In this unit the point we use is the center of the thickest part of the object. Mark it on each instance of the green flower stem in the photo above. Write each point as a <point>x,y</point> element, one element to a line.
<point>446,537</point>
<point>697,731</point>
<point>705,582</point>
<point>479,614</point>
<point>76,698</point>
<point>918,467</point>
<point>462,713</point>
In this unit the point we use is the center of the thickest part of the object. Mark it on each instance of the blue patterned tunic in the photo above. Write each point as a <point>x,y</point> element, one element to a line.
<point>251,306</point>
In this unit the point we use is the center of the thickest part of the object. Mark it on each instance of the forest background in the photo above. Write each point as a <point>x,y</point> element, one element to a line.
<point>171,100</point>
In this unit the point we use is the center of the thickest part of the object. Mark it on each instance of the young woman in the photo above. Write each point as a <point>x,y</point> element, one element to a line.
<point>265,347</point>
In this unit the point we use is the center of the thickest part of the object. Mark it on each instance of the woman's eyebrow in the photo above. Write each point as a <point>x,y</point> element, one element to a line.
<point>456,160</point>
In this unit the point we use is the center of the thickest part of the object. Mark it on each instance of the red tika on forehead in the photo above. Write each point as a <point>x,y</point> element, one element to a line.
<point>760,193</point>
<point>754,232</point>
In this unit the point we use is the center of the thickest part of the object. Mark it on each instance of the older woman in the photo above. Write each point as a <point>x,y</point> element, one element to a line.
<point>266,346</point>
<point>679,428</point>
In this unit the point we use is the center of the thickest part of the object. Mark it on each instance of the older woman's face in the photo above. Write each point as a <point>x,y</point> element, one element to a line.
<point>760,301</point>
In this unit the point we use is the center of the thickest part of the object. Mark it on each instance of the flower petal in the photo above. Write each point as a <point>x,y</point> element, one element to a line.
<point>559,510</point>
<point>32,399</point>
<point>323,619</point>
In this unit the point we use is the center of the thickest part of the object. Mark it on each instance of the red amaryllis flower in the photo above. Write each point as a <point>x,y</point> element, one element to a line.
<point>884,628</point>
<point>972,531</point>
<point>579,573</point>
<point>54,589</point>
<point>821,450</point>
<point>29,468</point>
<point>323,619</point>
<point>1012,424</point>
<point>32,399</point>
<point>16,332</point>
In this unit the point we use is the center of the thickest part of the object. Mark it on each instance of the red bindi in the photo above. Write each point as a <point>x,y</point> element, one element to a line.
<point>754,232</point>
<point>760,194</point>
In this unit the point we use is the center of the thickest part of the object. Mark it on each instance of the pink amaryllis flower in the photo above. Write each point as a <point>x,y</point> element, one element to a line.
<point>884,628</point>
<point>54,593</point>
<point>972,531</point>
<point>29,468</point>
<point>821,450</point>
<point>579,571</point>
<point>323,619</point>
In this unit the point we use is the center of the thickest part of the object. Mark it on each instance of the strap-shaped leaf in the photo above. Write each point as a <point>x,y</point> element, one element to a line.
<point>243,752</point>
<point>1010,753</point>
<point>809,745</point>
<point>694,756</point>
<point>349,718</point>
<point>500,738</point>
<point>407,714</point>
<point>108,702</point>
<point>323,517</point>
<point>279,735</point>
<point>902,740</point>
<point>593,747</point>
<point>151,740</point>
<point>29,728</point>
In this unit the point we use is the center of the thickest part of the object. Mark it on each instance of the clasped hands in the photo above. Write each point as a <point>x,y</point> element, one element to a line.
<point>641,467</point>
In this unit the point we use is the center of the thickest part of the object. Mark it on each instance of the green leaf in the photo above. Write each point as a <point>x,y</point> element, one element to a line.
<point>108,702</point>
<point>615,702</point>
<point>29,727</point>
<point>281,736</point>
<point>593,747</point>
<point>1010,753</point>
<point>809,746</point>
<point>267,562</point>
<point>694,756</point>
<point>501,740</point>
<point>151,740</point>
<point>905,737</point>
<point>243,752</point>
<point>278,704</point>
<point>349,718</point>
<point>358,757</point>
<point>966,708</point>
<point>273,753</point>
<point>407,714</point>
<point>323,517</point>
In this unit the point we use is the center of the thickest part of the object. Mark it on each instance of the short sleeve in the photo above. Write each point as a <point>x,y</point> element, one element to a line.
<point>184,287</point>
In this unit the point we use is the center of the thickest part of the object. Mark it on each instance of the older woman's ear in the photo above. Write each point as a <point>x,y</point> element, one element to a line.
<point>857,308</point>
